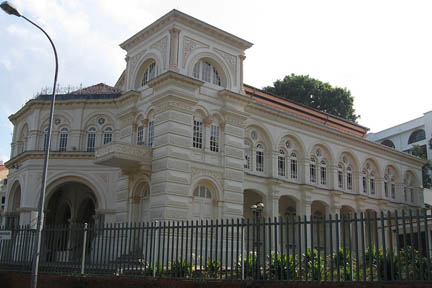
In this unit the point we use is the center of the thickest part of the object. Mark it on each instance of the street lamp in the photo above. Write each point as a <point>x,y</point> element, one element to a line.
<point>257,209</point>
<point>9,9</point>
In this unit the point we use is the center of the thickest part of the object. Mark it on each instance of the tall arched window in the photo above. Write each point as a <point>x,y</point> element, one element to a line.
<point>281,163</point>
<point>386,187</point>
<point>107,137</point>
<point>259,157</point>
<point>340,176</point>
<point>372,183</point>
<point>293,164</point>
<point>349,179</point>
<point>206,72</point>
<point>312,170</point>
<point>140,135</point>
<point>64,132</point>
<point>197,140</point>
<point>247,155</point>
<point>364,181</point>
<point>214,137</point>
<point>45,139</point>
<point>323,173</point>
<point>149,73</point>
<point>393,188</point>
<point>91,139</point>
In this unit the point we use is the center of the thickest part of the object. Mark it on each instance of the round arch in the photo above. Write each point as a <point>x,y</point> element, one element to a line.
<point>151,55</point>
<point>215,60</point>
<point>14,199</point>
<point>309,150</point>
<point>94,185</point>
<point>92,116</point>
<point>292,136</point>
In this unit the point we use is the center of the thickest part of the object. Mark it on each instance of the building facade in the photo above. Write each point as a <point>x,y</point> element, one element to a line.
<point>180,136</point>
<point>405,136</point>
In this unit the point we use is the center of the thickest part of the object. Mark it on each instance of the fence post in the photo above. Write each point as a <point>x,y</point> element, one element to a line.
<point>84,248</point>
<point>154,249</point>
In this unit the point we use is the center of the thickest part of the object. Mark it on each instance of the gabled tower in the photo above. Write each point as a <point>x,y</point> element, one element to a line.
<point>189,78</point>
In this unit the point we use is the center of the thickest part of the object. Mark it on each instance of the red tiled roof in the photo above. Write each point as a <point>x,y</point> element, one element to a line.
<point>305,112</point>
<point>100,88</point>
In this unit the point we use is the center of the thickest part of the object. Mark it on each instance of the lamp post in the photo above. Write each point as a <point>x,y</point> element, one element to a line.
<point>257,209</point>
<point>9,9</point>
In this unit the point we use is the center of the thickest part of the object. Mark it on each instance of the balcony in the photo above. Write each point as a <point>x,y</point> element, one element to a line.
<point>124,155</point>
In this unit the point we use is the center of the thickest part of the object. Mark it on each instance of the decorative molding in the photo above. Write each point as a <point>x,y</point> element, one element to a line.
<point>173,104</point>
<point>189,45</point>
<point>197,172</point>
<point>231,60</point>
<point>133,61</point>
<point>162,47</point>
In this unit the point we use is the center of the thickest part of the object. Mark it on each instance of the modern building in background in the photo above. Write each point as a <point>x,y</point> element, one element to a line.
<point>180,136</point>
<point>404,136</point>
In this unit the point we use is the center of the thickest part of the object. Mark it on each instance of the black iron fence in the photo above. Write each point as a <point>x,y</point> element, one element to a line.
<point>355,247</point>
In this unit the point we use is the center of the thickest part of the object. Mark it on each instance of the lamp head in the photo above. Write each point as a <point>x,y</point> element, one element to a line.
<point>254,207</point>
<point>10,9</point>
<point>260,205</point>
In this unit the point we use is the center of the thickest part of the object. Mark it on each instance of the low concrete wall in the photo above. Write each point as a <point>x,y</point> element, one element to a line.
<point>19,280</point>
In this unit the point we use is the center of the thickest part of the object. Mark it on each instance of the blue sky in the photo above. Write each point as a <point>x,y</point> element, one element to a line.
<point>380,50</point>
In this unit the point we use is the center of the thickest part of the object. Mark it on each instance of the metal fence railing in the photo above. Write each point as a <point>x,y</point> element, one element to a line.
<point>369,247</point>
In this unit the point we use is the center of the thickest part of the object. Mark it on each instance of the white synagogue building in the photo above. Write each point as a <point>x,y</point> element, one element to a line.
<point>180,136</point>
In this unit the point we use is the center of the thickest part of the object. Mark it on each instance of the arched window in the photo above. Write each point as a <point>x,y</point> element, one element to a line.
<point>417,136</point>
<point>91,139</point>
<point>45,141</point>
<point>372,183</point>
<point>197,140</point>
<point>63,139</point>
<point>247,155</point>
<point>149,73</point>
<point>388,143</point>
<point>312,169</point>
<point>340,176</point>
<point>202,202</point>
<point>386,187</point>
<point>140,135</point>
<point>349,179</point>
<point>293,164</point>
<point>393,188</point>
<point>281,163</point>
<point>150,133</point>
<point>214,138</point>
<point>323,173</point>
<point>203,192</point>
<point>259,157</point>
<point>107,138</point>
<point>206,72</point>
<point>364,182</point>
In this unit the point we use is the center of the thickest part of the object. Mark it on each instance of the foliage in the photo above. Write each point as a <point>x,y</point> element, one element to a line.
<point>316,94</point>
<point>284,267</point>
<point>213,267</point>
<point>409,265</point>
<point>180,267</point>
<point>420,151</point>
<point>342,259</point>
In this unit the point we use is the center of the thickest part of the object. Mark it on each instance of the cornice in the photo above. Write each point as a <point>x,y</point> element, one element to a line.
<point>174,77</point>
<point>28,155</point>
<point>175,16</point>
<point>333,131</point>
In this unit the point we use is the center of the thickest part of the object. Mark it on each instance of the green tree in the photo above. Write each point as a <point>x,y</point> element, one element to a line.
<point>316,94</point>
<point>420,151</point>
